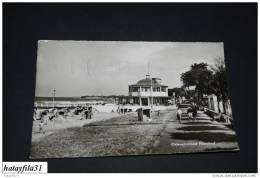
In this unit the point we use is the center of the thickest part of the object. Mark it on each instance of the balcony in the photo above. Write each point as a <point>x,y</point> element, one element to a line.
<point>148,93</point>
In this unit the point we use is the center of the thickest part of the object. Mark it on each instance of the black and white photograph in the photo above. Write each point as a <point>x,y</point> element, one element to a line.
<point>120,98</point>
<point>150,88</point>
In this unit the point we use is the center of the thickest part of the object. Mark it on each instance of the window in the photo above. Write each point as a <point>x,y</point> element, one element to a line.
<point>135,89</point>
<point>145,89</point>
<point>156,89</point>
<point>163,89</point>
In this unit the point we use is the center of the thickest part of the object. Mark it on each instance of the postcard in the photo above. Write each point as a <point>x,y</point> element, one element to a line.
<point>122,98</point>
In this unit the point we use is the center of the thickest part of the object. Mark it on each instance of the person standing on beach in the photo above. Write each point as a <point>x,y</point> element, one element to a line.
<point>86,114</point>
<point>119,109</point>
<point>44,122</point>
<point>90,112</point>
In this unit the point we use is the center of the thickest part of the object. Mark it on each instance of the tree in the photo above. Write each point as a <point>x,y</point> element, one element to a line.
<point>218,85</point>
<point>200,76</point>
<point>208,81</point>
<point>188,79</point>
<point>179,92</point>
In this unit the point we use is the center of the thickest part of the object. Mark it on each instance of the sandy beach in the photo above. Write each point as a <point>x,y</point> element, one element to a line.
<point>70,121</point>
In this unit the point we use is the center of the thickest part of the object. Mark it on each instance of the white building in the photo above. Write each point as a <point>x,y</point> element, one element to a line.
<point>148,91</point>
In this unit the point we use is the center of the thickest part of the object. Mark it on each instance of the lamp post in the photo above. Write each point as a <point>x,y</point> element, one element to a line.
<point>53,98</point>
<point>151,93</point>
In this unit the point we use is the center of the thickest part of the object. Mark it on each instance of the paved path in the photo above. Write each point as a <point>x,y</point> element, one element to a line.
<point>198,135</point>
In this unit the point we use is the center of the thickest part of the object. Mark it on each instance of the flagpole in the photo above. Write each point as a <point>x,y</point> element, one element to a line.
<point>151,85</point>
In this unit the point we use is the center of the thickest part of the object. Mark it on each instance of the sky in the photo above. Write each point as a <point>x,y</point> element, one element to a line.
<point>79,68</point>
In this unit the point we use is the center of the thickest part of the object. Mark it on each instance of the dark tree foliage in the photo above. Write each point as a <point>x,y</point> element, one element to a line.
<point>218,85</point>
<point>207,81</point>
<point>200,76</point>
<point>188,79</point>
<point>179,92</point>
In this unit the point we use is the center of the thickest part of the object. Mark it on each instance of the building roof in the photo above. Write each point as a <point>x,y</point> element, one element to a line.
<point>148,82</point>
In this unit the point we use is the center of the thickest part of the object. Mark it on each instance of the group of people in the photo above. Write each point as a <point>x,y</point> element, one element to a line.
<point>87,113</point>
<point>191,111</point>
<point>47,115</point>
